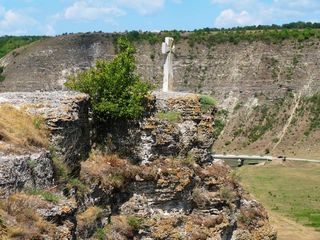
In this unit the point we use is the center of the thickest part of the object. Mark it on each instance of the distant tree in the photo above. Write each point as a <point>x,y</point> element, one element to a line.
<point>116,92</point>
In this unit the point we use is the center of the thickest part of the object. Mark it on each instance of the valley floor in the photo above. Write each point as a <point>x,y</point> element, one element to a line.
<point>288,229</point>
<point>291,193</point>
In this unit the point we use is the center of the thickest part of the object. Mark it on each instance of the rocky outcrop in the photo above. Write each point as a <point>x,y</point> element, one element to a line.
<point>18,172</point>
<point>172,199</point>
<point>66,115</point>
<point>176,125</point>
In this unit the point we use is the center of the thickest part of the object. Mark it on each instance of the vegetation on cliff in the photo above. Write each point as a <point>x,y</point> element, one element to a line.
<point>115,90</point>
<point>9,43</point>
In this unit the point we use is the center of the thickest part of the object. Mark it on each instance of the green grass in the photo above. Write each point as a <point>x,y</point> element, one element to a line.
<point>170,116</point>
<point>48,196</point>
<point>206,101</point>
<point>292,191</point>
<point>135,222</point>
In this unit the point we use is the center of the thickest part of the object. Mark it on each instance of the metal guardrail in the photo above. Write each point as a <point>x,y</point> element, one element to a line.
<point>242,158</point>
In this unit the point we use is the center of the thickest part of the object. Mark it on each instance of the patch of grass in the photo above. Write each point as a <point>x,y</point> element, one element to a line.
<point>207,102</point>
<point>17,128</point>
<point>78,184</point>
<point>170,116</point>
<point>135,222</point>
<point>38,122</point>
<point>292,191</point>
<point>48,196</point>
<point>100,234</point>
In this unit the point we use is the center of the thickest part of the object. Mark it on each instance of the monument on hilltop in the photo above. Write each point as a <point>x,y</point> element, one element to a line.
<point>168,50</point>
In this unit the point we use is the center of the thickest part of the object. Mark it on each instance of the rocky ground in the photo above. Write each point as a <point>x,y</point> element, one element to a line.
<point>153,180</point>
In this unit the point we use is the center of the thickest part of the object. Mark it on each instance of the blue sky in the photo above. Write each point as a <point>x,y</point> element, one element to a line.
<point>51,17</point>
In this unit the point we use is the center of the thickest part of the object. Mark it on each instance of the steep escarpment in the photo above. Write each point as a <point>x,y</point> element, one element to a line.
<point>226,70</point>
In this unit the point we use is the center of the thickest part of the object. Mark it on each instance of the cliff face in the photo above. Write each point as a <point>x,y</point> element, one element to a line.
<point>226,70</point>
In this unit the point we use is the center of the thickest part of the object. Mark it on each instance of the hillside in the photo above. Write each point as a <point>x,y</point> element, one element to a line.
<point>264,79</point>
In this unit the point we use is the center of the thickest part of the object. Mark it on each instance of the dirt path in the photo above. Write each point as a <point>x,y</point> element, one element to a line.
<point>290,230</point>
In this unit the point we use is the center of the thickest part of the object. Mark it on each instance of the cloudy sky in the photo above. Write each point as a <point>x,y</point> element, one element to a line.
<point>51,17</point>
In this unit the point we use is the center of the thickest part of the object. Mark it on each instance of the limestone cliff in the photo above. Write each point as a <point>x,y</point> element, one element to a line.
<point>172,191</point>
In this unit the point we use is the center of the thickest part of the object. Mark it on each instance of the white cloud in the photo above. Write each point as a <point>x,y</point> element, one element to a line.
<point>82,10</point>
<point>13,22</point>
<point>143,7</point>
<point>229,18</point>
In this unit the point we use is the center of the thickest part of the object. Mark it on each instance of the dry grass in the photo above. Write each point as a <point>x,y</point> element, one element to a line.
<point>89,216</point>
<point>20,219</point>
<point>119,228</point>
<point>111,171</point>
<point>20,130</point>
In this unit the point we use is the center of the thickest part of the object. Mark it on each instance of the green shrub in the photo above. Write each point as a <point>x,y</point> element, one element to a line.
<point>135,222</point>
<point>170,116</point>
<point>116,92</point>
<point>207,102</point>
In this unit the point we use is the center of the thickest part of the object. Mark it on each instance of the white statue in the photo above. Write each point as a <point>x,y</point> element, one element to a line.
<point>168,50</point>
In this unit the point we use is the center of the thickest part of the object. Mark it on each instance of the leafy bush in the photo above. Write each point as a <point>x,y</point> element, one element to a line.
<point>116,92</point>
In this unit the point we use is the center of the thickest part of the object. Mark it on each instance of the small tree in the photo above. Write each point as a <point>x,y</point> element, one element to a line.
<point>115,90</point>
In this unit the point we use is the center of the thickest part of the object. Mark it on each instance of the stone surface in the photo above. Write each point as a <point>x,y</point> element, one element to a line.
<point>66,115</point>
<point>18,172</point>
<point>168,50</point>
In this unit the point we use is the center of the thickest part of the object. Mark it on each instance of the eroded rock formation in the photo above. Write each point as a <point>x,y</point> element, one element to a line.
<point>171,191</point>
